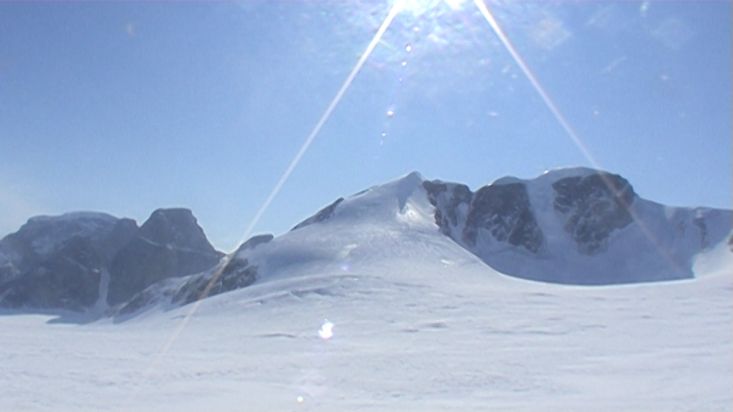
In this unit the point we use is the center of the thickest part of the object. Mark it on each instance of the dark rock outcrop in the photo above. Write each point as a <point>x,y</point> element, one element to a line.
<point>537,229</point>
<point>121,234</point>
<point>699,222</point>
<point>594,206</point>
<point>81,261</point>
<point>237,274</point>
<point>447,198</point>
<point>68,279</point>
<point>42,236</point>
<point>505,212</point>
<point>56,262</point>
<point>322,215</point>
<point>75,261</point>
<point>169,244</point>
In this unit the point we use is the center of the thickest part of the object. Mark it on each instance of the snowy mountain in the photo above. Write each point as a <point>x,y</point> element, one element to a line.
<point>383,301</point>
<point>572,226</point>
<point>576,226</point>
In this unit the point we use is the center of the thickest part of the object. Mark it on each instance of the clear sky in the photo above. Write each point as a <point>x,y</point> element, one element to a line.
<point>131,106</point>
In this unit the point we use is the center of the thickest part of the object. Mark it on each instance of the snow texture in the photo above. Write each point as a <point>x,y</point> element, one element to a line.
<point>415,322</point>
<point>422,327</point>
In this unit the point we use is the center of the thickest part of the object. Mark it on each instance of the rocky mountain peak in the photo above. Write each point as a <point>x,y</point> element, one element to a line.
<point>169,244</point>
<point>176,227</point>
<point>594,205</point>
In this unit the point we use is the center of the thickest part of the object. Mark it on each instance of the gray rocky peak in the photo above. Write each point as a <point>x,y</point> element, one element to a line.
<point>505,212</point>
<point>593,205</point>
<point>169,244</point>
<point>68,279</point>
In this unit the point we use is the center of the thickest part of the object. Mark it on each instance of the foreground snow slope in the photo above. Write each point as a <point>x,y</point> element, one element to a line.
<point>420,324</point>
<point>399,344</point>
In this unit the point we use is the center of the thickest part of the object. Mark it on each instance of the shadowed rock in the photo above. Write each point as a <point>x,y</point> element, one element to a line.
<point>594,206</point>
<point>237,274</point>
<point>56,262</point>
<point>43,236</point>
<point>68,279</point>
<point>322,215</point>
<point>505,212</point>
<point>169,244</point>
<point>447,198</point>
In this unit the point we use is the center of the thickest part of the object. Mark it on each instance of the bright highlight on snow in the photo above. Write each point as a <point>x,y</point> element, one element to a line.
<point>326,330</point>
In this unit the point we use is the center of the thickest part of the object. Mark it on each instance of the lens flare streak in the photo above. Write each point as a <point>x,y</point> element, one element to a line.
<point>489,17</point>
<point>396,8</point>
<point>393,12</point>
<point>326,331</point>
<point>534,81</point>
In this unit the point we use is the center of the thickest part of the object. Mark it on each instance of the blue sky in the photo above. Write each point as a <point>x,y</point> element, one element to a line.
<point>126,107</point>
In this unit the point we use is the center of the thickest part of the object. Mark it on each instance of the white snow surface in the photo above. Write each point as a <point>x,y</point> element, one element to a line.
<point>418,324</point>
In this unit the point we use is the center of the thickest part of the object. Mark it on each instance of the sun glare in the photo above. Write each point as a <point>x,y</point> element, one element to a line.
<point>420,7</point>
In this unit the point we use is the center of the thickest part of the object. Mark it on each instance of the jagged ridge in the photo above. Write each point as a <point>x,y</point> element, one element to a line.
<point>574,226</point>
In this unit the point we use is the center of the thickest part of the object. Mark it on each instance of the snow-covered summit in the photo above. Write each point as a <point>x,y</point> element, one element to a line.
<point>572,226</point>
<point>383,203</point>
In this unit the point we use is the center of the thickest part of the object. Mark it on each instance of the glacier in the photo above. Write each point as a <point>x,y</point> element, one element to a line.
<point>421,318</point>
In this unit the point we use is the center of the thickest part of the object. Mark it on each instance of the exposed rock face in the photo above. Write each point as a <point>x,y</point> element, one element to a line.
<point>575,226</point>
<point>60,262</point>
<point>169,244</point>
<point>594,206</point>
<point>322,215</point>
<point>699,221</point>
<point>43,236</point>
<point>448,200</point>
<point>68,279</point>
<point>237,274</point>
<point>57,262</point>
<point>504,211</point>
<point>122,233</point>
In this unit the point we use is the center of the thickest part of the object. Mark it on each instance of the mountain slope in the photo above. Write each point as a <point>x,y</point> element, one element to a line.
<point>84,261</point>
<point>573,226</point>
<point>408,334</point>
<point>566,227</point>
<point>576,226</point>
<point>416,320</point>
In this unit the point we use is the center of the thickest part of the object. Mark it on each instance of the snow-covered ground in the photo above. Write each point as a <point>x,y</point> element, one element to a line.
<point>425,337</point>
<point>419,324</point>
